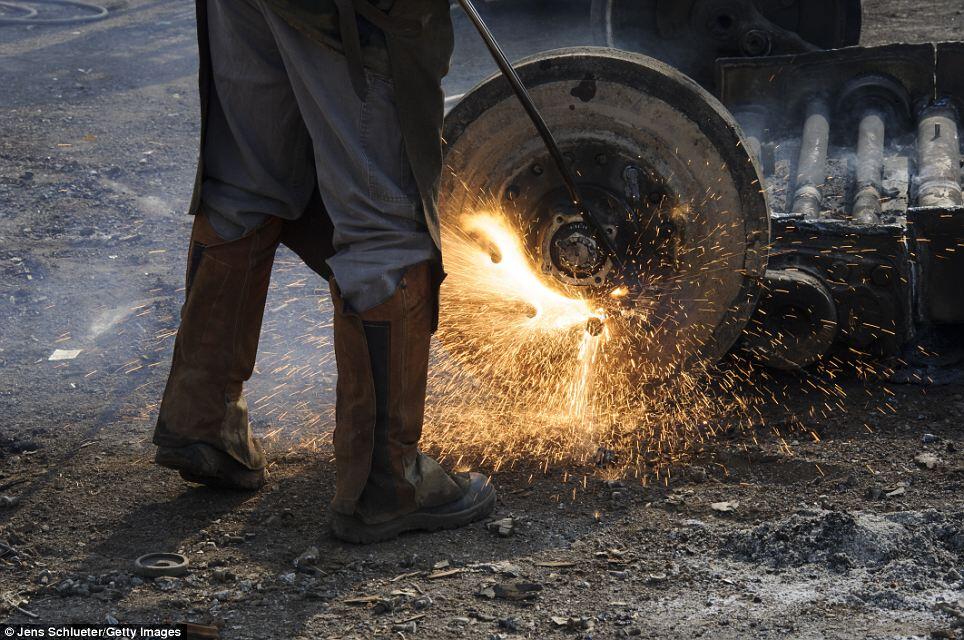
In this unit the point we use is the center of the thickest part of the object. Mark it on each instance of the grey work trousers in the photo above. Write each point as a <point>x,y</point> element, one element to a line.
<point>283,114</point>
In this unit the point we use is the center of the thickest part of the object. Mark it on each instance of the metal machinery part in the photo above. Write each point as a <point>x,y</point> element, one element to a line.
<point>867,200</point>
<point>692,34</point>
<point>155,565</point>
<point>795,323</point>
<point>658,159</point>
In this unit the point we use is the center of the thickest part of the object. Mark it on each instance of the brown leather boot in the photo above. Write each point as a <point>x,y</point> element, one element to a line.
<point>202,428</point>
<point>385,485</point>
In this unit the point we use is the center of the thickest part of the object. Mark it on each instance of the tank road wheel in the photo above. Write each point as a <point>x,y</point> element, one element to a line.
<point>692,34</point>
<point>661,163</point>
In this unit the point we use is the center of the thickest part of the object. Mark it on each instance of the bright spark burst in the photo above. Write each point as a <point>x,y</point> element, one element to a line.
<point>529,369</point>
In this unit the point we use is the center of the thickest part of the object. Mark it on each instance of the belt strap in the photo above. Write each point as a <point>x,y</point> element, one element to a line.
<point>351,41</point>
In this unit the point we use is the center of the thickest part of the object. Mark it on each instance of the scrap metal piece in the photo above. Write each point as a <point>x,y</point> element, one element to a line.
<point>695,241</point>
<point>812,166</point>
<point>872,103</point>
<point>795,323</point>
<point>939,156</point>
<point>870,168</point>
<point>156,565</point>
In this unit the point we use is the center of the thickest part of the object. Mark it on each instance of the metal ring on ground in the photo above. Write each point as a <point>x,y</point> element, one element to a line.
<point>98,12</point>
<point>27,12</point>
<point>156,565</point>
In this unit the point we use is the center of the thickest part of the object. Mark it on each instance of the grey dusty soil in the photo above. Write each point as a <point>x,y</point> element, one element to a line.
<point>839,533</point>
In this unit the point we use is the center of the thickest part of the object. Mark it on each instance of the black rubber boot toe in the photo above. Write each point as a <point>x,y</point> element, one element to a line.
<point>477,502</point>
<point>203,464</point>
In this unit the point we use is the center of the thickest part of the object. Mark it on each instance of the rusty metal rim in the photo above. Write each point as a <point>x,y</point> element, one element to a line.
<point>157,565</point>
<point>654,78</point>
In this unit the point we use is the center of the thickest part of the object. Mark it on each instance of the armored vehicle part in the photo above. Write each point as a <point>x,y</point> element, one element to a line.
<point>659,160</point>
<point>868,198</point>
<point>692,34</point>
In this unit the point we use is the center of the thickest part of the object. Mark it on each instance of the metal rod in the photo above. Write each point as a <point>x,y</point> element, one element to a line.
<point>530,108</point>
<point>812,167</point>
<point>870,167</point>
<point>939,151</point>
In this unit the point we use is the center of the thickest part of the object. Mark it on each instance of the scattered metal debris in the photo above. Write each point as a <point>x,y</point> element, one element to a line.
<point>154,565</point>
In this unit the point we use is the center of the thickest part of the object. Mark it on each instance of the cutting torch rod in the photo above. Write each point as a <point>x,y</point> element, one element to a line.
<point>540,124</point>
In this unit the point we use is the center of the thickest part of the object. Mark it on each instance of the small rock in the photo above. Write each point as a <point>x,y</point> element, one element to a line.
<point>166,583</point>
<point>385,605</point>
<point>896,491</point>
<point>8,502</point>
<point>307,559</point>
<point>503,528</point>
<point>504,567</point>
<point>111,620</point>
<point>927,461</point>
<point>510,624</point>
<point>572,623</point>
<point>287,578</point>
<point>727,506</point>
<point>512,591</point>
<point>929,438</point>
<point>696,474</point>
<point>605,457</point>
<point>421,604</point>
<point>874,493</point>
<point>223,575</point>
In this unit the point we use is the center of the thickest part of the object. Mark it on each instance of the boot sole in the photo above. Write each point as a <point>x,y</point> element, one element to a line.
<point>351,529</point>
<point>203,464</point>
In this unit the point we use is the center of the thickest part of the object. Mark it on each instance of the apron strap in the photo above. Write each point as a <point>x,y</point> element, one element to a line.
<point>351,41</point>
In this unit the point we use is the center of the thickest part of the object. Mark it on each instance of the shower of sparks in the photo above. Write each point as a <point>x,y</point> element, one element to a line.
<point>528,369</point>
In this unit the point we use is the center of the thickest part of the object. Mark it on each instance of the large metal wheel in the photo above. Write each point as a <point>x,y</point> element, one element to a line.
<point>662,164</point>
<point>692,34</point>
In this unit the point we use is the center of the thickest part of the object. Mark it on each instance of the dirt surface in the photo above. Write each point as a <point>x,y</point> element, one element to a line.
<point>842,523</point>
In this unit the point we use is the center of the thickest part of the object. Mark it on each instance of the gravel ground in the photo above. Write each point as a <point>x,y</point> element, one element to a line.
<point>852,526</point>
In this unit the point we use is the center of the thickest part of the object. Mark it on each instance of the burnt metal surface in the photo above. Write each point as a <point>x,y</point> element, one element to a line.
<point>796,321</point>
<point>691,34</point>
<point>664,164</point>
<point>871,205</point>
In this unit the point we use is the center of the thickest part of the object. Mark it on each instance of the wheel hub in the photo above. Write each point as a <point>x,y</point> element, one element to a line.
<point>574,251</point>
<point>662,168</point>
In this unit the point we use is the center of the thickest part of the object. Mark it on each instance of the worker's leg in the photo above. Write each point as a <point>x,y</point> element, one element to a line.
<point>258,169</point>
<point>384,293</point>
